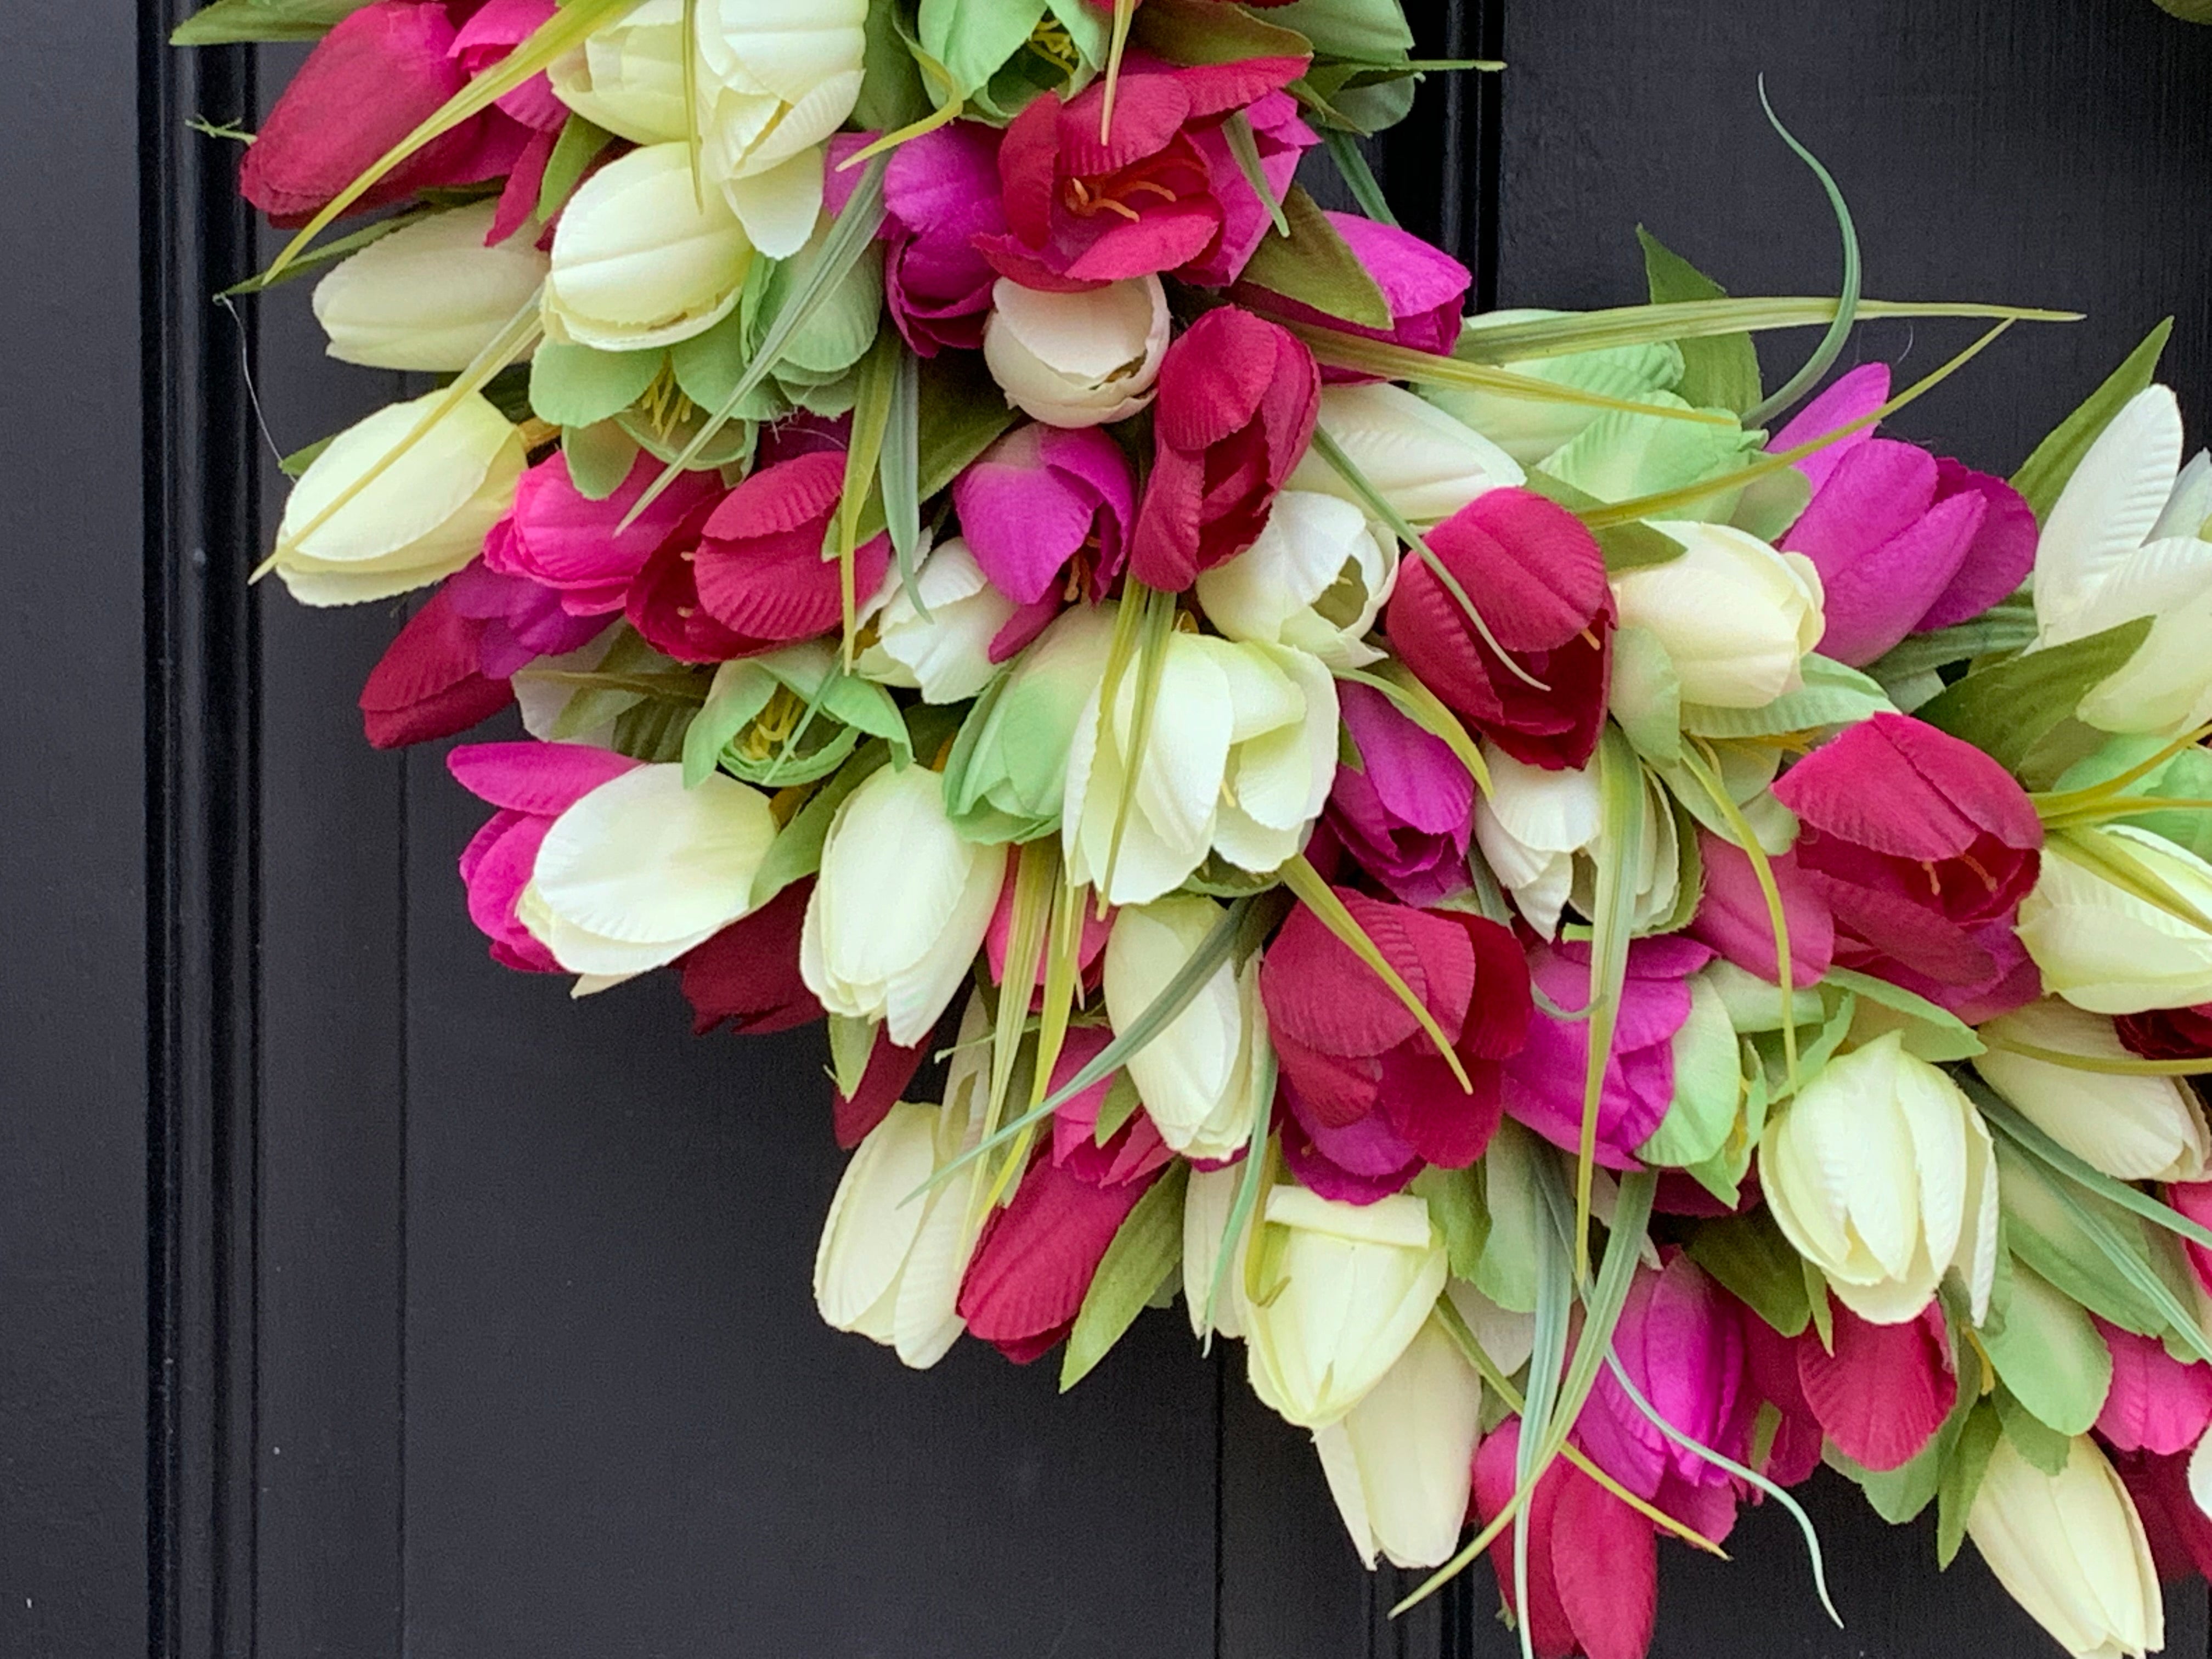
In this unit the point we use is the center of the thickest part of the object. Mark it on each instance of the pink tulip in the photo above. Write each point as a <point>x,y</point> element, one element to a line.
<point>747,975</point>
<point>1133,1152</point>
<point>1407,814</point>
<point>523,620</point>
<point>371,81</point>
<point>1424,288</point>
<point>1041,501</point>
<point>490,38</point>
<point>561,538</point>
<point>430,682</point>
<point>1538,578</point>
<point>1038,1255</point>
<point>1238,396</point>
<point>940,192</point>
<point>2193,1198</point>
<point>1280,137</point>
<point>1681,1341</point>
<point>2156,1403</point>
<point>1923,847</point>
<point>1904,542</point>
<point>1593,1561</point>
<point>2179,1532</point>
<point>1091,940</point>
<point>1545,1082</point>
<point>1883,1392</point>
<point>1733,917</point>
<point>532,783</point>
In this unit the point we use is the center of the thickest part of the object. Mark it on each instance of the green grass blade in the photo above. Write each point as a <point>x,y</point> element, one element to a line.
<point>1358,178</point>
<point>1698,320</point>
<point>1847,297</point>
<point>1422,706</point>
<point>1621,793</point>
<point>1258,1158</point>
<point>871,414</point>
<point>899,475</point>
<point>2002,1116</point>
<point>1244,147</point>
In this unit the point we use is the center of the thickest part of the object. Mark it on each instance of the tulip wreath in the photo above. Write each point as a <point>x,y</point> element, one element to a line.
<point>1625,934</point>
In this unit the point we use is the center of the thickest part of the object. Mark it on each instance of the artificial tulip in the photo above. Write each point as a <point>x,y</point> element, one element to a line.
<point>1006,778</point>
<point>1039,1255</point>
<point>1734,616</point>
<point>1424,288</point>
<point>430,295</point>
<point>1047,511</point>
<point>530,784</point>
<point>561,538</point>
<point>1406,812</point>
<point>1881,1392</point>
<point>423,516</point>
<point>1734,919</point>
<point>1531,825</point>
<point>1209,1202</point>
<point>1427,464</point>
<point>901,906</point>
<point>640,259</point>
<point>1074,360</point>
<point>2101,946</point>
<point>1315,579</point>
<point>940,192</point>
<point>2155,1403</point>
<point>747,975</point>
<point>2131,1127</point>
<point>944,654</point>
<point>1679,1337</point>
<point>431,682</point>
<point>1401,1464</point>
<point>758,566</point>
<point>2070,1549</point>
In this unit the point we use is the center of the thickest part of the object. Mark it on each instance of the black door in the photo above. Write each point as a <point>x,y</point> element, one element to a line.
<point>357,1298</point>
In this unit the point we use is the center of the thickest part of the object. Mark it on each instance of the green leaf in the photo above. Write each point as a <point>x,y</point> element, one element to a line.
<point>1625,546</point>
<point>574,385</point>
<point>1121,1103</point>
<point>1309,263</point>
<point>574,151</point>
<point>891,94</point>
<point>2006,626</point>
<point>1832,695</point>
<point>2033,1439</point>
<point>1358,178</point>
<point>1750,1257</point>
<point>1929,1033</point>
<point>899,474</point>
<point>1146,1250</point>
<point>852,1043</point>
<point>337,248</point>
<point>796,853</point>
<point>599,457</point>
<point>1369,30</point>
<point>1194,32</point>
<point>301,459</point>
<point>1646,697</point>
<point>1507,1270</point>
<point>1456,1206</point>
<point>2189,11</point>
<point>2011,1123</point>
<point>2002,710</point>
<point>1962,1478</point>
<point>1722,371</point>
<point>2044,474</point>
<point>229,22</point>
<point>2049,1355</point>
<point>1559,335</point>
<point>973,38</point>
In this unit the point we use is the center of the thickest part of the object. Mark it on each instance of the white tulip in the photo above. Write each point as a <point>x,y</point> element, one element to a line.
<point>1883,1175</point>
<point>2124,540</point>
<point>2133,1129</point>
<point>1352,1284</point>
<point>1200,1076</point>
<point>1316,579</point>
<point>642,869</point>
<point>1735,616</point>
<point>417,521</point>
<point>1529,826</point>
<point>430,295</point>
<point>901,906</point>
<point>946,654</point>
<point>2072,1549</point>
<point>628,77</point>
<point>1075,360</point>
<point>1208,1202</point>
<point>2103,949</point>
<point>640,261</point>
<point>1425,462</point>
<point>1401,1464</point>
<point>1238,760</point>
<point>889,1264</point>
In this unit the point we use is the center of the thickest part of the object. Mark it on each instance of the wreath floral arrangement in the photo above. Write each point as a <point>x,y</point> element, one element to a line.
<point>1625,940</point>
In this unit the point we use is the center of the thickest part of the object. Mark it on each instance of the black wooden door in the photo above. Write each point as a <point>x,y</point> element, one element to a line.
<point>357,1298</point>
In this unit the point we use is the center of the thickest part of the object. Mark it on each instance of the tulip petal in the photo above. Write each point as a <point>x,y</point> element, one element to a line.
<point>1884,1390</point>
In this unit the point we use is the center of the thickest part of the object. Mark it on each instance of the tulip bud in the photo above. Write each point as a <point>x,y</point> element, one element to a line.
<point>1736,617</point>
<point>639,259</point>
<point>1401,1464</point>
<point>2133,1129</point>
<point>1083,359</point>
<point>1421,460</point>
<point>1201,1075</point>
<point>430,295</point>
<point>421,518</point>
<point>1315,580</point>
<point>901,907</point>
<point>946,655</point>
<point>2103,949</point>
<point>2072,1549</point>
<point>1881,1174</point>
<point>628,77</point>
<point>1530,826</point>
<point>1008,771</point>
<point>1356,1284</point>
<point>642,869</point>
<point>1208,1202</point>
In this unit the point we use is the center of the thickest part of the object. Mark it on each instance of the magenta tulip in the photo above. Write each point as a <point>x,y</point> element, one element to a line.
<point>2156,1403</point>
<point>561,538</point>
<point>532,783</point>
<point>1280,136</point>
<point>1046,510</point>
<point>431,683</point>
<point>1734,919</point>
<point>940,192</point>
<point>1407,814</point>
<point>1884,1390</point>
<point>523,620</point>
<point>1593,1561</point>
<point>1424,288</point>
<point>1681,1339</point>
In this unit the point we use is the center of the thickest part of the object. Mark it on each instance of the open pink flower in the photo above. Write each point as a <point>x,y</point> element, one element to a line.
<point>561,538</point>
<point>1733,917</point>
<point>1082,211</point>
<point>1353,1057</point>
<point>1042,502</point>
<point>1681,1341</point>
<point>532,783</point>
<point>747,975</point>
<point>370,82</point>
<point>431,682</point>
<point>1884,1390</point>
<point>523,620</point>
<point>1593,1561</point>
<point>1424,288</point>
<point>1544,1083</point>
<point>1238,396</point>
<point>2156,1403</point>
<point>1280,136</point>
<point>940,192</point>
<point>1407,815</point>
<point>1538,578</point>
<point>1904,542</point>
<point>1923,847</point>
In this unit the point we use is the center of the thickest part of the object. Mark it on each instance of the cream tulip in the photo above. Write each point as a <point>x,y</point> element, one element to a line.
<point>1529,826</point>
<point>1352,1286</point>
<point>945,655</point>
<point>2072,1549</point>
<point>1077,360</point>
<point>1881,1174</point>
<point>1208,1202</point>
<point>1735,616</point>
<point>1401,1464</point>
<point>639,259</point>
<point>900,908</point>
<point>2103,949</point>
<point>1237,760</point>
<point>1425,462</point>
<point>430,295</point>
<point>1201,1076</point>
<point>418,520</point>
<point>1315,580</point>
<point>642,869</point>
<point>2133,1129</point>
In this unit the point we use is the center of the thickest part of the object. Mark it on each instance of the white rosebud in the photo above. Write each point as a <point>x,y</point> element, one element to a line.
<point>1200,1075</point>
<point>946,655</point>
<point>2133,1129</point>
<point>1425,462</point>
<point>901,906</point>
<point>1074,360</point>
<point>1315,580</point>
<point>2103,949</point>
<point>417,521</point>
<point>2072,1549</point>
<point>640,261</point>
<point>1883,1175</point>
<point>642,869</point>
<point>1356,1283</point>
<point>1401,1464</point>
<point>1736,617</point>
<point>1238,760</point>
<point>430,295</point>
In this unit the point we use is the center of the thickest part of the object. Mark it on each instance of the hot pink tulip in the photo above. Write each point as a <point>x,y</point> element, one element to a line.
<point>1133,1152</point>
<point>523,620</point>
<point>2194,1199</point>
<point>1884,1390</point>
<point>1733,917</point>
<point>1038,1255</point>
<point>1593,1561</point>
<point>430,682</point>
<point>1424,288</point>
<point>1042,503</point>
<point>1681,1341</point>
<point>561,538</point>
<point>1407,814</point>
<point>2156,1403</point>
<point>1280,136</point>
<point>940,192</point>
<point>532,783</point>
<point>747,975</point>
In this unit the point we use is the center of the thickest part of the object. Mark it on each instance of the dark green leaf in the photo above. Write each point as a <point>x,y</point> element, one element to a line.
<point>2045,473</point>
<point>1962,1478</point>
<point>1314,266</point>
<point>1144,1253</point>
<point>1456,1206</point>
<point>2032,1437</point>
<point>1749,1256</point>
<point>228,21</point>
<point>2003,710</point>
<point>1205,32</point>
<point>1721,372</point>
